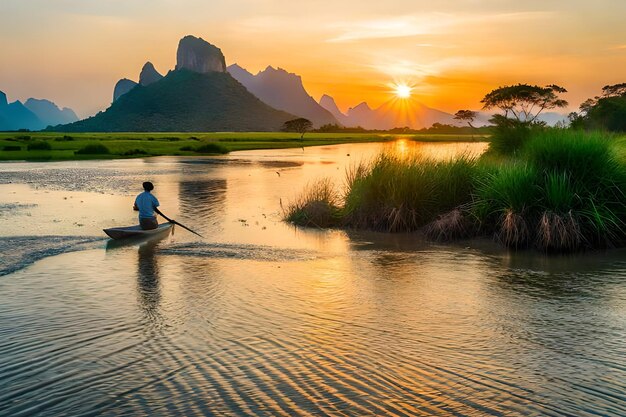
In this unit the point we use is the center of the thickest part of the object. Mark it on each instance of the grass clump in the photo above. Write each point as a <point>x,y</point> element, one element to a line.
<point>564,192</point>
<point>455,224</point>
<point>39,145</point>
<point>501,202</point>
<point>394,194</point>
<point>317,206</point>
<point>93,149</point>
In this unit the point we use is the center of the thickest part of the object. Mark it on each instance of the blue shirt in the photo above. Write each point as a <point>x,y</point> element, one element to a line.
<point>146,203</point>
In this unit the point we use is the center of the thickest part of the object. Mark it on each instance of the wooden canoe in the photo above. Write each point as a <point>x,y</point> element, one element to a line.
<point>136,231</point>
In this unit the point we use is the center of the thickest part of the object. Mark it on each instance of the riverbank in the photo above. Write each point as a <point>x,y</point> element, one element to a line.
<point>53,146</point>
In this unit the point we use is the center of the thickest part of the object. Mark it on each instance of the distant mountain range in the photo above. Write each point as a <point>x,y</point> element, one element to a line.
<point>199,95</point>
<point>203,94</point>
<point>34,114</point>
<point>394,113</point>
<point>283,91</point>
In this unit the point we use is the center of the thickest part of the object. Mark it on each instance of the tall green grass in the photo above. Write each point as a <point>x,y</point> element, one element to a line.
<point>397,194</point>
<point>317,206</point>
<point>561,191</point>
<point>564,191</point>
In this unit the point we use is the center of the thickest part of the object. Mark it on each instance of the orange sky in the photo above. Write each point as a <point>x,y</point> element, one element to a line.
<point>453,52</point>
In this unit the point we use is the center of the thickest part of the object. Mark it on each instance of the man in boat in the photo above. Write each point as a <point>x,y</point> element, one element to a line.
<point>146,204</point>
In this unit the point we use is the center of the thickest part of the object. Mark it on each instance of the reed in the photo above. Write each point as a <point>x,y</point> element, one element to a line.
<point>403,194</point>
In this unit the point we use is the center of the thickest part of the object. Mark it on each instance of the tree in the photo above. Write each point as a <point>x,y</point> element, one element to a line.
<point>521,105</point>
<point>300,125</point>
<point>524,102</point>
<point>607,111</point>
<point>615,90</point>
<point>466,116</point>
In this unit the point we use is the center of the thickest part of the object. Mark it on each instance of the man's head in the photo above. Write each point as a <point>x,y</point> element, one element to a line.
<point>148,186</point>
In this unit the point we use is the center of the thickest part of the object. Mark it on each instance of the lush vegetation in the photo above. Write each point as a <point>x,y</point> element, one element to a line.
<point>13,146</point>
<point>562,191</point>
<point>604,112</point>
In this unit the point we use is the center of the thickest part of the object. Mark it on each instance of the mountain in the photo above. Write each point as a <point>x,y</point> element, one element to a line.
<point>49,113</point>
<point>362,115</point>
<point>149,75</point>
<point>185,101</point>
<point>328,103</point>
<point>198,96</point>
<point>15,116</point>
<point>241,74</point>
<point>394,113</point>
<point>284,91</point>
<point>122,87</point>
<point>197,55</point>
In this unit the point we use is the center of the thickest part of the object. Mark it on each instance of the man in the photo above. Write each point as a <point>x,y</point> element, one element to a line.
<point>146,204</point>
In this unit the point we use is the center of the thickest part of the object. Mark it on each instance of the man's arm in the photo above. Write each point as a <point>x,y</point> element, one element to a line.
<point>135,207</point>
<point>157,211</point>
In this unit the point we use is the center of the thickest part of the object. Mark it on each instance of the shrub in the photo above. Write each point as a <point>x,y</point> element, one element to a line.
<point>24,137</point>
<point>93,149</point>
<point>39,145</point>
<point>12,148</point>
<point>186,148</point>
<point>211,148</point>
<point>65,138</point>
<point>509,135</point>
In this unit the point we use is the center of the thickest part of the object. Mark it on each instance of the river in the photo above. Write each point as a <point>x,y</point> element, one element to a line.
<point>262,318</point>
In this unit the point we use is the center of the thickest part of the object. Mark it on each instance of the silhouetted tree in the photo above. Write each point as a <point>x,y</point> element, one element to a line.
<point>521,105</point>
<point>467,116</point>
<point>524,102</point>
<point>607,111</point>
<point>615,90</point>
<point>300,125</point>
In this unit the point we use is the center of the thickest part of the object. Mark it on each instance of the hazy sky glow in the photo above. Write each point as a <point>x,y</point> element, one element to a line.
<point>450,52</point>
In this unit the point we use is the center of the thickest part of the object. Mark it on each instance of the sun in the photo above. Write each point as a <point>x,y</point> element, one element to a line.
<point>402,90</point>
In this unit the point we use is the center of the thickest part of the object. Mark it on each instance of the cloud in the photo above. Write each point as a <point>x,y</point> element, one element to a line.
<point>424,24</point>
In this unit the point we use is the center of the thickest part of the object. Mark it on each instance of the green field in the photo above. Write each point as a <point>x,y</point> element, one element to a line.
<point>14,145</point>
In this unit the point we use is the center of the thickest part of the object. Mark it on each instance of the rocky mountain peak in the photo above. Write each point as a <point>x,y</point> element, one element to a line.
<point>198,55</point>
<point>360,108</point>
<point>149,74</point>
<point>122,87</point>
<point>329,104</point>
<point>3,99</point>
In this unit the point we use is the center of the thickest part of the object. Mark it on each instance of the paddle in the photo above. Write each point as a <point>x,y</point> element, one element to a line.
<point>175,222</point>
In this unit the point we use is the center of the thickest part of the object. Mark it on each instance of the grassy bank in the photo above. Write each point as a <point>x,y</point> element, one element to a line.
<point>50,146</point>
<point>563,191</point>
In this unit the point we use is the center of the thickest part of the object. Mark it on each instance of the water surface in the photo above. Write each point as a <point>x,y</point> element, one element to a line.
<point>261,318</point>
